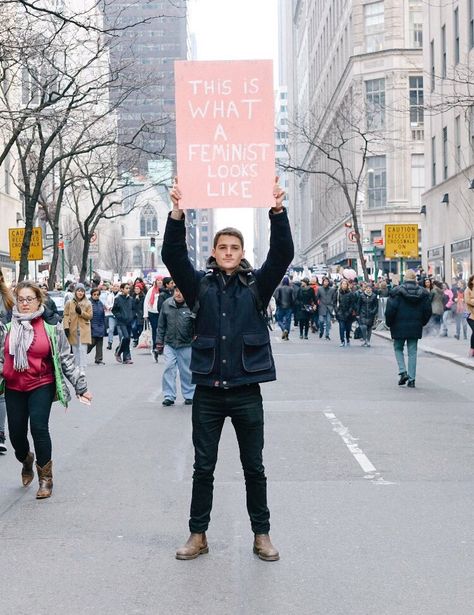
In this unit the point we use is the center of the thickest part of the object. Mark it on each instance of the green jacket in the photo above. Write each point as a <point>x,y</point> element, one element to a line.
<point>63,363</point>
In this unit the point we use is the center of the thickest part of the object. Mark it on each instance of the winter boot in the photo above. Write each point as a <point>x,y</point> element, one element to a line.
<point>27,473</point>
<point>45,478</point>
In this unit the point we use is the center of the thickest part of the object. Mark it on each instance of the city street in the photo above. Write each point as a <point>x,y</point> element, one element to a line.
<point>370,491</point>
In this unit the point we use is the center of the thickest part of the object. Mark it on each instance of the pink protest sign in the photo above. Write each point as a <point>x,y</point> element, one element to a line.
<point>225,133</point>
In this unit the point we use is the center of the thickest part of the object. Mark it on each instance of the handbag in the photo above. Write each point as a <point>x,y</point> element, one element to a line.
<point>357,333</point>
<point>144,341</point>
<point>309,308</point>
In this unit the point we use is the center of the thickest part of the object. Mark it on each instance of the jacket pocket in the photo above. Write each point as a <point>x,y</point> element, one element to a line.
<point>203,354</point>
<point>256,352</point>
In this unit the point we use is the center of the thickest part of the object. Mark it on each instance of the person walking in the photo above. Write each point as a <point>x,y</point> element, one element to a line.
<point>408,310</point>
<point>98,327</point>
<point>151,311</point>
<point>345,310</point>
<point>111,322</point>
<point>77,325</point>
<point>460,310</point>
<point>305,306</point>
<point>325,300</point>
<point>469,300</point>
<point>366,309</point>
<point>123,312</point>
<point>6,306</point>
<point>175,333</point>
<point>231,355</point>
<point>138,302</point>
<point>438,300</point>
<point>35,358</point>
<point>284,307</point>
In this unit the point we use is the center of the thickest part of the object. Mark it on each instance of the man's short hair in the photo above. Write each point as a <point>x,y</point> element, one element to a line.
<point>229,230</point>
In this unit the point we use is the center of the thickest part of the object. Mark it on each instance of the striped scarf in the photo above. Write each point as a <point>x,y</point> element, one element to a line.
<point>21,337</point>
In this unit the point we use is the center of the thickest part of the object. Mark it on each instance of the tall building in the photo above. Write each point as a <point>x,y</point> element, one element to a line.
<point>448,203</point>
<point>144,54</point>
<point>356,80</point>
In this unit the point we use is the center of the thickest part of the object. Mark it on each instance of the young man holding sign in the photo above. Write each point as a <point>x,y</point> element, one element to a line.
<point>231,355</point>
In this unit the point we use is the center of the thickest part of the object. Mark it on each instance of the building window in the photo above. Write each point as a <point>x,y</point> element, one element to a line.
<point>445,152</point>
<point>456,36</point>
<point>137,256</point>
<point>415,9</point>
<point>375,103</point>
<point>457,136</point>
<point>374,26</point>
<point>377,185</point>
<point>148,221</point>
<point>433,161</point>
<point>417,179</point>
<point>416,101</point>
<point>432,65</point>
<point>444,62</point>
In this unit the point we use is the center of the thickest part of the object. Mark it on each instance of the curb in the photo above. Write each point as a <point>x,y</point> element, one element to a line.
<point>448,356</point>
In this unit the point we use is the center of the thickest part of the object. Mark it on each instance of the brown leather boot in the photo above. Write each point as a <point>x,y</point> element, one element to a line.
<point>195,546</point>
<point>45,478</point>
<point>27,474</point>
<point>262,546</point>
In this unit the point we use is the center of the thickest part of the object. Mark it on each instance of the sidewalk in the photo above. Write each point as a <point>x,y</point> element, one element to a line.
<point>449,348</point>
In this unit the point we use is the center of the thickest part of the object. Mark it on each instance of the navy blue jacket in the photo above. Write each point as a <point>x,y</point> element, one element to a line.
<point>408,311</point>
<point>231,346</point>
<point>98,328</point>
<point>123,309</point>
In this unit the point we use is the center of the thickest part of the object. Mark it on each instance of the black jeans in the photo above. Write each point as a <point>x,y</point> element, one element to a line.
<point>304,326</point>
<point>125,333</point>
<point>210,408</point>
<point>34,405</point>
<point>345,327</point>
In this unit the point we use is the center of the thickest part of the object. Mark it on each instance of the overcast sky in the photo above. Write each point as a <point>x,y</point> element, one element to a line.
<point>235,30</point>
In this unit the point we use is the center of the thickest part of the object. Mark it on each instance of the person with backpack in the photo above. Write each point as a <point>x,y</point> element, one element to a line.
<point>35,357</point>
<point>231,355</point>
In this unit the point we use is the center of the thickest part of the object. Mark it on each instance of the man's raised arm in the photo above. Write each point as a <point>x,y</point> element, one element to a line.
<point>175,252</point>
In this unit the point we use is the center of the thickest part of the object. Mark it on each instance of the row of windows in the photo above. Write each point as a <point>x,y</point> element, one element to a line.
<point>374,25</point>
<point>445,53</point>
<point>447,166</point>
<point>375,102</point>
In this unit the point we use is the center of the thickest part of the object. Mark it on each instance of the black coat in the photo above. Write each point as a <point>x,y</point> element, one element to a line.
<point>138,302</point>
<point>408,311</point>
<point>231,346</point>
<point>345,305</point>
<point>367,308</point>
<point>304,296</point>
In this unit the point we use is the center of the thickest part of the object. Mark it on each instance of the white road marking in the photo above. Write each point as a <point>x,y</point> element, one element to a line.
<point>367,466</point>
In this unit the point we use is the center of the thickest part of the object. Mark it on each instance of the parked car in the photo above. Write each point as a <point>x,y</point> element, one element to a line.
<point>58,297</point>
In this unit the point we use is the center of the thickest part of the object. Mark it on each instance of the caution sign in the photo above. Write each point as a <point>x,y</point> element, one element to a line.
<point>401,241</point>
<point>16,235</point>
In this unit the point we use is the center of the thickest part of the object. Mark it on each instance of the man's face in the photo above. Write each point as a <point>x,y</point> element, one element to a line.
<point>228,253</point>
<point>126,289</point>
<point>178,296</point>
<point>170,285</point>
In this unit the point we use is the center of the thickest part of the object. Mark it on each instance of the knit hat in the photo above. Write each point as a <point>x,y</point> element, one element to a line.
<point>80,286</point>
<point>410,275</point>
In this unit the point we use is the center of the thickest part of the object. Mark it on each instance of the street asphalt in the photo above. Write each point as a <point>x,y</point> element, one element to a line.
<point>370,490</point>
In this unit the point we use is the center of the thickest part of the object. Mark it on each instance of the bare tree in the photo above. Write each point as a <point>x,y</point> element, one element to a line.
<point>117,256</point>
<point>338,153</point>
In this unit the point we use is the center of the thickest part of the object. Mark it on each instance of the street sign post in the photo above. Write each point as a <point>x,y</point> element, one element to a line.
<point>16,235</point>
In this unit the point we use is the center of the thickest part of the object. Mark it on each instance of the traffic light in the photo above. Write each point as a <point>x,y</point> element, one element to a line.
<point>152,244</point>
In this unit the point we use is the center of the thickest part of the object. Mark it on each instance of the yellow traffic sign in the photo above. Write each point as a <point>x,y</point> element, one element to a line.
<point>16,235</point>
<point>401,241</point>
